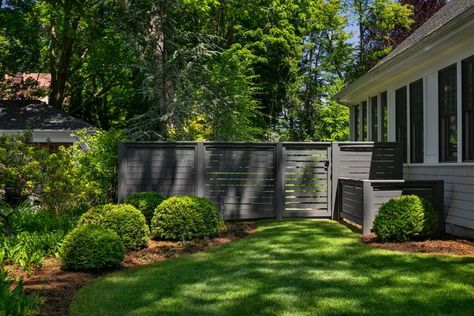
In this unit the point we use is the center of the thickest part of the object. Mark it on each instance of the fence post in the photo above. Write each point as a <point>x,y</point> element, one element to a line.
<point>367,210</point>
<point>280,180</point>
<point>335,172</point>
<point>122,173</point>
<point>199,165</point>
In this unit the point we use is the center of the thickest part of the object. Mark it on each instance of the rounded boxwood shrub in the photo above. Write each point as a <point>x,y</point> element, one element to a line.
<point>124,219</point>
<point>185,217</point>
<point>406,218</point>
<point>91,247</point>
<point>145,202</point>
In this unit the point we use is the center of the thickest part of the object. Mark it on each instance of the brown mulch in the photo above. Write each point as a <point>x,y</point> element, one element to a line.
<point>448,245</point>
<point>57,287</point>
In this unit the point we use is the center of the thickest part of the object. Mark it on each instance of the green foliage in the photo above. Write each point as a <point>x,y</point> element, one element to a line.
<point>125,220</point>
<point>334,123</point>
<point>406,218</point>
<point>95,160</point>
<point>185,217</point>
<point>91,247</point>
<point>145,202</point>
<point>13,300</point>
<point>33,235</point>
<point>21,165</point>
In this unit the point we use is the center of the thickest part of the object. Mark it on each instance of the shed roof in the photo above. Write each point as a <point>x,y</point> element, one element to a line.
<point>35,115</point>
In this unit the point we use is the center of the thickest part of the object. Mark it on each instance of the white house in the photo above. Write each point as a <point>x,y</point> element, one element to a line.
<point>422,94</point>
<point>49,126</point>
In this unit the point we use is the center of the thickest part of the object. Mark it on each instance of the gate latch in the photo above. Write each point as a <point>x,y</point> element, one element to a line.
<point>326,164</point>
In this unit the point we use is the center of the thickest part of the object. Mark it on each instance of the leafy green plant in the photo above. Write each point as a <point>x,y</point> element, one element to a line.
<point>13,300</point>
<point>95,160</point>
<point>185,217</point>
<point>34,234</point>
<point>91,247</point>
<point>406,218</point>
<point>145,202</point>
<point>21,165</point>
<point>124,219</point>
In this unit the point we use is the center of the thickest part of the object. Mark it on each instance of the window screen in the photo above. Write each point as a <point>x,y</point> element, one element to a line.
<point>356,123</point>
<point>448,141</point>
<point>401,119</point>
<point>364,121</point>
<point>416,121</point>
<point>383,105</point>
<point>468,108</point>
<point>374,114</point>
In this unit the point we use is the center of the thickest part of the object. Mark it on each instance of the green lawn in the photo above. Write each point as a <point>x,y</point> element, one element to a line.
<point>299,267</point>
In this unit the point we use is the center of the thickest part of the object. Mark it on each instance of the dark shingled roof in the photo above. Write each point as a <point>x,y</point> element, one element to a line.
<point>35,115</point>
<point>451,10</point>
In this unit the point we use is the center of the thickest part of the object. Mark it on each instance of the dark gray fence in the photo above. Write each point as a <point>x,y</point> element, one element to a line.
<point>360,199</point>
<point>255,180</point>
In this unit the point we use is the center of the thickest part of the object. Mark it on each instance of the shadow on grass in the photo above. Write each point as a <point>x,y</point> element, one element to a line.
<point>290,267</point>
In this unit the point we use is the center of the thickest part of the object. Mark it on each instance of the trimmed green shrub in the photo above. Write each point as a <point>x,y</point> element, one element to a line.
<point>406,218</point>
<point>91,247</point>
<point>145,202</point>
<point>124,219</point>
<point>185,217</point>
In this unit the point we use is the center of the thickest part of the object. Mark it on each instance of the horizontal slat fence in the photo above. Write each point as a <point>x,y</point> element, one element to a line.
<point>241,180</point>
<point>360,200</point>
<point>254,180</point>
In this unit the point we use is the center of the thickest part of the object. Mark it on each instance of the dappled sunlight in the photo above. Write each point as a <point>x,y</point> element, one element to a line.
<point>288,267</point>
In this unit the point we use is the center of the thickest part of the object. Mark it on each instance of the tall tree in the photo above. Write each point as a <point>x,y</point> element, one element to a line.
<point>422,11</point>
<point>376,20</point>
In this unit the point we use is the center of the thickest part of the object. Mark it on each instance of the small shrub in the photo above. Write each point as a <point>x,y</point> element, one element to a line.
<point>406,218</point>
<point>91,247</point>
<point>145,202</point>
<point>185,217</point>
<point>125,220</point>
<point>13,300</point>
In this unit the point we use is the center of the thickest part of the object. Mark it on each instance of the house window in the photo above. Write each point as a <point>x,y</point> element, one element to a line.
<point>356,122</point>
<point>447,114</point>
<point>468,108</point>
<point>374,113</point>
<point>383,106</point>
<point>364,121</point>
<point>401,119</point>
<point>416,121</point>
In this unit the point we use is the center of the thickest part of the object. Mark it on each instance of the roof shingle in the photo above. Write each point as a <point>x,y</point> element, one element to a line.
<point>21,115</point>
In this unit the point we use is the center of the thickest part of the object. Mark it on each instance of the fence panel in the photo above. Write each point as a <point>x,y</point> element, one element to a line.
<point>240,179</point>
<point>165,168</point>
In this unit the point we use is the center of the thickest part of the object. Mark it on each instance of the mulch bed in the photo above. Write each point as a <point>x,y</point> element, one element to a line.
<point>57,287</point>
<point>448,245</point>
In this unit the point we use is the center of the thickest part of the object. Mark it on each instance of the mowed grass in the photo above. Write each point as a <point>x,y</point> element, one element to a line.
<point>297,267</point>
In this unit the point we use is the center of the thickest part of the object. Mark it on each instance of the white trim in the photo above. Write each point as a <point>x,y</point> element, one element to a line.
<point>391,127</point>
